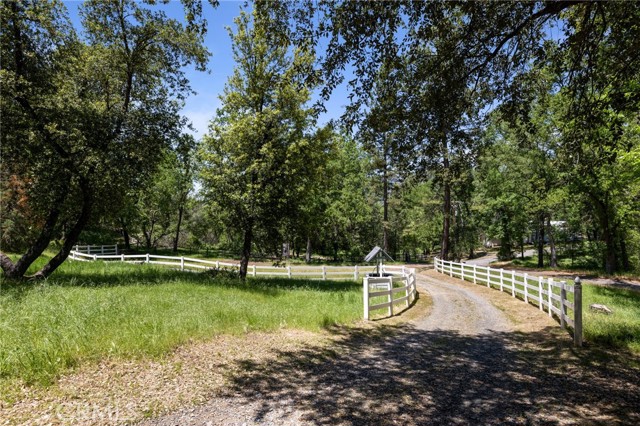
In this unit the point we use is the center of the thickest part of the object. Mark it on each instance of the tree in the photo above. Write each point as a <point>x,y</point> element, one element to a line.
<point>256,145</point>
<point>88,119</point>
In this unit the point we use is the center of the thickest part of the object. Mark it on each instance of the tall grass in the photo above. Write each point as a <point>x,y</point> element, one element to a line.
<point>619,330</point>
<point>87,311</point>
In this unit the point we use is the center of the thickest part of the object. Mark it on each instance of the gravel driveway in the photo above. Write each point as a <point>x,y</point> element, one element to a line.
<point>466,363</point>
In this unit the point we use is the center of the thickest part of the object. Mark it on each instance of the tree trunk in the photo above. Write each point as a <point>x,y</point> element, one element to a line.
<point>553,259</point>
<point>125,235</point>
<point>71,237</point>
<point>307,256</point>
<point>446,210</point>
<point>385,207</point>
<point>246,252</point>
<point>626,264</point>
<point>541,243</point>
<point>175,241</point>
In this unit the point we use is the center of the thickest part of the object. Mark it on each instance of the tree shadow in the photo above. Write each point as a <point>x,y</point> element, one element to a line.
<point>403,375</point>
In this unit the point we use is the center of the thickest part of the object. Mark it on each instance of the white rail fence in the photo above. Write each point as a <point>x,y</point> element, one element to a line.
<point>95,249</point>
<point>555,297</point>
<point>381,292</point>
<point>191,264</point>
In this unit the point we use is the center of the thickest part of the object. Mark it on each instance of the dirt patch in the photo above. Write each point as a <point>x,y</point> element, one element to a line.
<point>117,391</point>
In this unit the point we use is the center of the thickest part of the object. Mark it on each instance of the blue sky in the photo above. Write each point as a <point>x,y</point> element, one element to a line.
<point>201,108</point>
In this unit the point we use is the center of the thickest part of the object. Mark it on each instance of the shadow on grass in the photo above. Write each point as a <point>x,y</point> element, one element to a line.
<point>403,375</point>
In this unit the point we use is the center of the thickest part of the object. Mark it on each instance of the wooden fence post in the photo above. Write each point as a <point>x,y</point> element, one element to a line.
<point>513,283</point>
<point>102,250</point>
<point>254,270</point>
<point>217,265</point>
<point>116,249</point>
<point>577,312</point>
<point>563,307</point>
<point>289,271</point>
<point>540,295</point>
<point>147,258</point>
<point>501,279</point>
<point>355,273</point>
<point>324,273</point>
<point>122,257</point>
<point>450,268</point>
<point>526,288</point>
<point>475,274</point>
<point>182,263</point>
<point>488,271</point>
<point>366,297</point>
<point>550,291</point>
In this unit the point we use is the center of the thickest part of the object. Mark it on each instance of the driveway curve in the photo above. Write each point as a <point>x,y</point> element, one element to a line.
<point>464,364</point>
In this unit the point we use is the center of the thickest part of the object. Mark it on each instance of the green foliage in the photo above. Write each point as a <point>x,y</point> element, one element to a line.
<point>255,157</point>
<point>88,311</point>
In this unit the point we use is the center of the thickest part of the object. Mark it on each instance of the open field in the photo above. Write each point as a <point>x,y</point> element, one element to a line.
<point>88,311</point>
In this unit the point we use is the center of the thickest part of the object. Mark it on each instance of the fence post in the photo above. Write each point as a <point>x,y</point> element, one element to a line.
<point>488,271</point>
<point>450,268</point>
<point>182,263</point>
<point>563,308</point>
<point>95,257</point>
<point>366,297</point>
<point>88,248</point>
<point>102,250</point>
<point>77,247</point>
<point>513,283</point>
<point>526,286</point>
<point>550,290</point>
<point>254,270</point>
<point>147,258</point>
<point>501,279</point>
<point>577,312</point>
<point>390,311</point>
<point>475,276</point>
<point>324,273</point>
<point>355,273</point>
<point>122,257</point>
<point>289,271</point>
<point>116,249</point>
<point>540,296</point>
<point>217,264</point>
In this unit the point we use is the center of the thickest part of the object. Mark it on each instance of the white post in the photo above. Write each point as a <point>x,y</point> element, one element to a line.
<point>147,259</point>
<point>563,307</point>
<point>403,273</point>
<point>355,273</point>
<point>289,271</point>
<point>182,263</point>
<point>390,309</point>
<point>540,297</point>
<point>102,250</point>
<point>450,268</point>
<point>122,257</point>
<point>488,271</point>
<point>366,297</point>
<point>324,274</point>
<point>95,257</point>
<point>254,270</point>
<point>501,279</point>
<point>475,276</point>
<point>513,283</point>
<point>577,312</point>
<point>77,249</point>
<point>549,288</point>
<point>116,249</point>
<point>217,264</point>
<point>526,286</point>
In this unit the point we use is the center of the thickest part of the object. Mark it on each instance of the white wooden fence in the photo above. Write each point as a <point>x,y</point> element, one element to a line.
<point>556,297</point>
<point>191,264</point>
<point>376,289</point>
<point>94,249</point>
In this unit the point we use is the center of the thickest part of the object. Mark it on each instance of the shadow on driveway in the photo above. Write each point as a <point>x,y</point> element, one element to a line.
<point>402,375</point>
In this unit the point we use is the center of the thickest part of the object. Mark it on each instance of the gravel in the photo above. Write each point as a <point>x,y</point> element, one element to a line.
<point>477,356</point>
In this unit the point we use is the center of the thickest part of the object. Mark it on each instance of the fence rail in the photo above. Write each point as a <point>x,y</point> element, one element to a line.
<point>95,249</point>
<point>555,297</point>
<point>382,291</point>
<point>188,263</point>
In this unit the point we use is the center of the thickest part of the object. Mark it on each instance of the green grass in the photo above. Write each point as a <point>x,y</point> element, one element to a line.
<point>621,330</point>
<point>88,311</point>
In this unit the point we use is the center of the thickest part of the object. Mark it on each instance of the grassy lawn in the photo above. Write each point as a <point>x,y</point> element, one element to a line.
<point>620,330</point>
<point>88,311</point>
